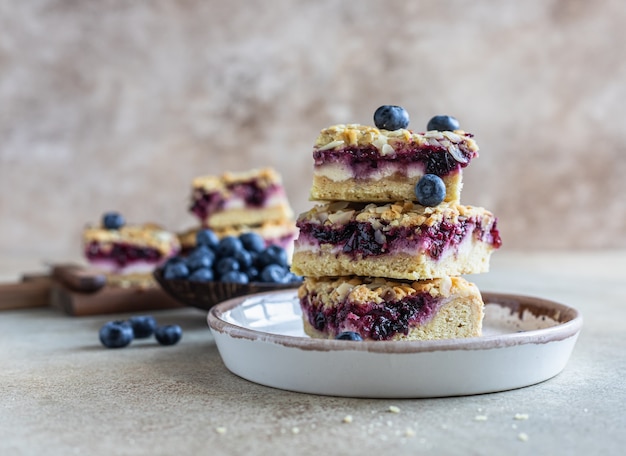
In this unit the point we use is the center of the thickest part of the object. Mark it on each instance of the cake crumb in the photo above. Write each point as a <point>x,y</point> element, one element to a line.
<point>347,419</point>
<point>480,418</point>
<point>522,436</point>
<point>409,432</point>
<point>220,430</point>
<point>394,409</point>
<point>521,416</point>
<point>295,430</point>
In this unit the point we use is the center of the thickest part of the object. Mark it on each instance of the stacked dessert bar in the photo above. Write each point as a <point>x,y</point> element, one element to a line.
<point>383,251</point>
<point>237,202</point>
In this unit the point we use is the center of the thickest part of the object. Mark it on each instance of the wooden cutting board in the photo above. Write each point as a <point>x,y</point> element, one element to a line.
<point>78,291</point>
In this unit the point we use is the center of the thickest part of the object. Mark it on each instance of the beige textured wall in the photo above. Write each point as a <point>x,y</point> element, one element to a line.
<point>119,104</point>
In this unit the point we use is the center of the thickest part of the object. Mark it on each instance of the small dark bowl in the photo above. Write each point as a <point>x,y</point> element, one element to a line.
<point>205,295</point>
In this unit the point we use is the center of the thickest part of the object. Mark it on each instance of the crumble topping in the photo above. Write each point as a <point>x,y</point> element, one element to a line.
<point>269,230</point>
<point>147,235</point>
<point>386,142</point>
<point>379,290</point>
<point>393,214</point>
<point>264,178</point>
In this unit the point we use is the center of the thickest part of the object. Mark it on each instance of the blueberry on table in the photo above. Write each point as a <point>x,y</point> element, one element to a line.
<point>349,335</point>
<point>113,221</point>
<point>202,275</point>
<point>207,238</point>
<point>116,334</point>
<point>443,123</point>
<point>176,270</point>
<point>143,326</point>
<point>168,334</point>
<point>228,246</point>
<point>389,117</point>
<point>235,277</point>
<point>430,190</point>
<point>252,242</point>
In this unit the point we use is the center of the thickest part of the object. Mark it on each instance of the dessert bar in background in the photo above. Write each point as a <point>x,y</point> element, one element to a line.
<point>234,203</point>
<point>279,232</point>
<point>244,198</point>
<point>117,248</point>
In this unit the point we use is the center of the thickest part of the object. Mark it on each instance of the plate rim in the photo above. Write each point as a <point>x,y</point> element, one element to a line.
<point>566,329</point>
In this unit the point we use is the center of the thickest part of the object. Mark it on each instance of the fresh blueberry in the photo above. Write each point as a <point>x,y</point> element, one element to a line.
<point>252,242</point>
<point>168,334</point>
<point>244,258</point>
<point>390,117</point>
<point>253,274</point>
<point>443,123</point>
<point>143,326</point>
<point>290,277</point>
<point>226,265</point>
<point>319,322</point>
<point>228,246</point>
<point>173,260</point>
<point>116,334</point>
<point>235,277</point>
<point>201,275</point>
<point>113,221</point>
<point>207,238</point>
<point>273,273</point>
<point>430,190</point>
<point>176,270</point>
<point>349,335</point>
<point>272,255</point>
<point>201,257</point>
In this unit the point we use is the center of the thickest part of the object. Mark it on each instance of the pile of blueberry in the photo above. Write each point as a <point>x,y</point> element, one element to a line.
<point>120,333</point>
<point>430,190</point>
<point>239,259</point>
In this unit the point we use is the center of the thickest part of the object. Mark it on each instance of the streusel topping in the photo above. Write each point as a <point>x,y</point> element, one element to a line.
<point>377,290</point>
<point>404,213</point>
<point>264,177</point>
<point>387,142</point>
<point>148,235</point>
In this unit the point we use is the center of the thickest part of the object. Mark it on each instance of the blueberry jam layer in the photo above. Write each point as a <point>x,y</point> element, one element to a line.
<point>254,196</point>
<point>122,254</point>
<point>361,240</point>
<point>364,160</point>
<point>370,320</point>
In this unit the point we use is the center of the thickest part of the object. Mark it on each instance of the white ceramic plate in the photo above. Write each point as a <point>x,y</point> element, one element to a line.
<point>526,340</point>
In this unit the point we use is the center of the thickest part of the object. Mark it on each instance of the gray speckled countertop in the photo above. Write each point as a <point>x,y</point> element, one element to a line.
<point>62,393</point>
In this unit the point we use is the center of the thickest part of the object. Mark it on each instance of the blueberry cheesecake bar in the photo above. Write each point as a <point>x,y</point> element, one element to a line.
<point>273,232</point>
<point>382,309</point>
<point>239,198</point>
<point>356,162</point>
<point>118,248</point>
<point>402,240</point>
